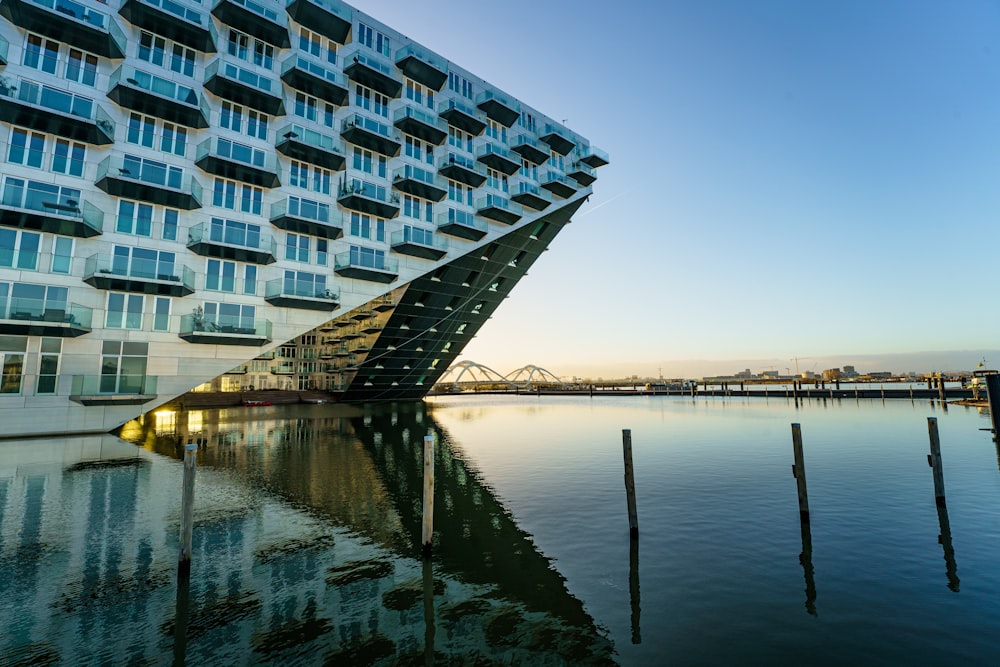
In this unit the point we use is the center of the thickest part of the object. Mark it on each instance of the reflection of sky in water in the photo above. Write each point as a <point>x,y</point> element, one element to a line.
<point>721,581</point>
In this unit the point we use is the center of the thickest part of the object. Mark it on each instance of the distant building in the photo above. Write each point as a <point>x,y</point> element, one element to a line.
<point>831,374</point>
<point>744,374</point>
<point>848,372</point>
<point>880,374</point>
<point>769,374</point>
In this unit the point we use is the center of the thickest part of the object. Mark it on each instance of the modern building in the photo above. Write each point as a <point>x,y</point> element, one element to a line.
<point>185,187</point>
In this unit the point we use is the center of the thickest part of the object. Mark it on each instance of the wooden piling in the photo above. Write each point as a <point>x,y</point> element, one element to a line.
<point>934,460</point>
<point>633,590</point>
<point>799,471</point>
<point>993,396</point>
<point>429,629</point>
<point>805,558</point>
<point>941,392</point>
<point>187,509</point>
<point>428,513</point>
<point>633,519</point>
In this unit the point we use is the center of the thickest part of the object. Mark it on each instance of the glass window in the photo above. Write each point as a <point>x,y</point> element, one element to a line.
<point>62,254</point>
<point>48,366</point>
<point>124,311</point>
<point>27,148</point>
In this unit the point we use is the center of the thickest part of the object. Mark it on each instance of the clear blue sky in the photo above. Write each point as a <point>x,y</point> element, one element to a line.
<point>788,178</point>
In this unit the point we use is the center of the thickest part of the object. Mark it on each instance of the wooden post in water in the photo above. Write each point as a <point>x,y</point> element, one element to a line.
<point>187,509</point>
<point>633,519</point>
<point>934,460</point>
<point>799,471</point>
<point>805,558</point>
<point>633,589</point>
<point>428,581</point>
<point>941,392</point>
<point>427,533</point>
<point>993,396</point>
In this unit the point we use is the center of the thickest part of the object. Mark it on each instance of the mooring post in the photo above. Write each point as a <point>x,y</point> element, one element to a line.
<point>187,509</point>
<point>633,519</point>
<point>633,589</point>
<point>993,396</point>
<point>805,558</point>
<point>428,581</point>
<point>930,384</point>
<point>799,471</point>
<point>934,460</point>
<point>428,525</point>
<point>941,392</point>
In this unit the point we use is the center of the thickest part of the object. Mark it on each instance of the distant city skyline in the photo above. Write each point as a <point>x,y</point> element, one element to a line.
<point>787,178</point>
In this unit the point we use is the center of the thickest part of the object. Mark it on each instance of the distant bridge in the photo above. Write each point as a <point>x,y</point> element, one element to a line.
<point>470,375</point>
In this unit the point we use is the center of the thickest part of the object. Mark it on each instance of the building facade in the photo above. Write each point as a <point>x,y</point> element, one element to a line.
<point>185,187</point>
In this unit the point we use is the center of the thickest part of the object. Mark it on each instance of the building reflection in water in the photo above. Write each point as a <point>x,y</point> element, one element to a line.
<point>307,526</point>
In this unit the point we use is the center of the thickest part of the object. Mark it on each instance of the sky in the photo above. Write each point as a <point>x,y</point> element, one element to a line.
<point>788,179</point>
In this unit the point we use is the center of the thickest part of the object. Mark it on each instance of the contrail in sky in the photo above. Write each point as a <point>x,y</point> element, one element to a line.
<point>608,201</point>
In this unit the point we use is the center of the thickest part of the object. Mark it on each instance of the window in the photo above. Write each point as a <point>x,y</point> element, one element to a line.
<point>496,179</point>
<point>19,249</point>
<point>134,218</point>
<point>123,367</point>
<point>369,100</point>
<point>237,196</point>
<point>52,57</point>
<point>170,224</point>
<point>68,157</point>
<point>174,139</point>
<point>300,283</point>
<point>308,177</point>
<point>366,227</point>
<point>296,247</point>
<point>556,160</point>
<point>418,150</point>
<point>305,106</point>
<point>221,276</point>
<point>231,316</point>
<point>161,314</point>
<point>322,252</point>
<point>41,54</point>
<point>251,50</point>
<point>369,257</point>
<point>141,130</point>
<point>155,49</point>
<point>48,365</point>
<point>417,235</point>
<point>124,311</point>
<point>234,232</point>
<point>374,39</point>
<point>62,254</point>
<point>317,46</point>
<point>143,263</point>
<point>495,130</point>
<point>459,139</point>
<point>27,148</point>
<point>369,162</point>
<point>245,121</point>
<point>527,121</point>
<point>529,170</point>
<point>82,67</point>
<point>459,192</point>
<point>460,85</point>
<point>420,209</point>
<point>12,352</point>
<point>419,94</point>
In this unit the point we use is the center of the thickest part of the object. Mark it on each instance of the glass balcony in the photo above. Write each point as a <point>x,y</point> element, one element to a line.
<point>558,184</point>
<point>48,208</point>
<point>179,21</point>
<point>330,18</point>
<point>463,170</point>
<point>529,148</point>
<point>305,216</point>
<point>463,116</point>
<point>417,242</point>
<point>283,368</point>
<point>113,389</point>
<point>593,156</point>
<point>225,330</point>
<point>315,78</point>
<point>4,48</point>
<point>499,208</point>
<point>25,316</point>
<point>363,66</point>
<point>582,174</point>
<point>68,21</point>
<point>557,137</point>
<point>498,107</point>
<point>41,107</point>
<point>375,268</point>
<point>259,18</point>
<point>384,303</point>
<point>135,274</point>
<point>371,134</point>
<point>369,198</point>
<point>529,194</point>
<point>304,294</point>
<point>421,124</point>
<point>419,183</point>
<point>244,86</point>
<point>148,180</point>
<point>462,224</point>
<point>230,159</point>
<point>422,67</point>
<point>301,143</point>
<point>238,243</point>
<point>158,96</point>
<point>497,157</point>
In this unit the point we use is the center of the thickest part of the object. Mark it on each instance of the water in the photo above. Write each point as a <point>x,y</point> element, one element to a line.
<point>308,527</point>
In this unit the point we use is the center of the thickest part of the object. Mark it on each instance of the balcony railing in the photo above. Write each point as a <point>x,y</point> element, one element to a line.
<point>557,183</point>
<point>259,19</point>
<point>419,182</point>
<point>178,21</point>
<point>21,316</point>
<point>529,194</point>
<point>230,159</point>
<point>113,389</point>
<point>244,86</point>
<point>582,173</point>
<point>499,208</point>
<point>366,68</point>
<point>306,216</point>
<point>417,242</point>
<point>462,116</point>
<point>213,239</point>
<point>558,138</point>
<point>460,168</point>
<point>140,178</point>
<point>497,157</point>
<point>158,96</point>
<point>69,21</point>
<point>371,134</point>
<point>46,109</point>
<point>295,293</point>
<point>224,330</point>
<point>376,268</point>
<point>593,156</point>
<point>315,78</point>
<point>302,143</point>
<point>4,48</point>
<point>48,208</point>
<point>137,274</point>
<point>369,198</point>
<point>498,107</point>
<point>419,123</point>
<point>463,224</point>
<point>530,148</point>
<point>422,66</point>
<point>330,18</point>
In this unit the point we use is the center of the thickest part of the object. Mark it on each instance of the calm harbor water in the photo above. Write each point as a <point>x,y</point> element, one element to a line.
<point>308,526</point>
